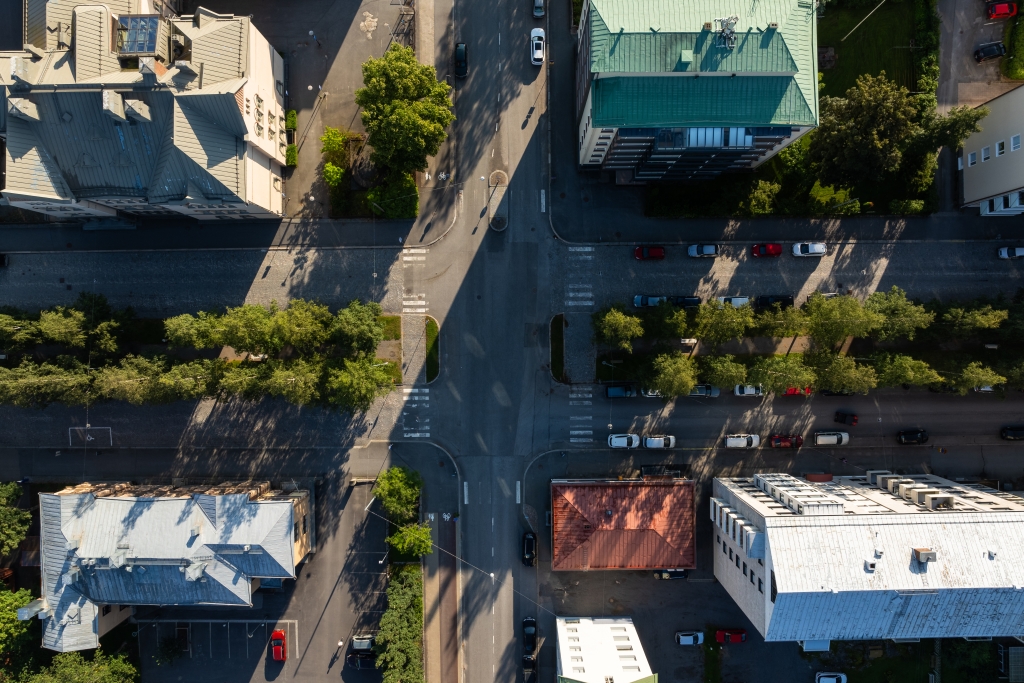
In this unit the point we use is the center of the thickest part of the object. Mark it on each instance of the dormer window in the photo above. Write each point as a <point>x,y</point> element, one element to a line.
<point>259,102</point>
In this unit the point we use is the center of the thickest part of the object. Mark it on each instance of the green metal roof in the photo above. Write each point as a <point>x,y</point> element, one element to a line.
<point>644,102</point>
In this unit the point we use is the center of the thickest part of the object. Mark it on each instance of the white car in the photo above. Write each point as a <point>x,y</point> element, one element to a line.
<point>1011,252</point>
<point>623,441</point>
<point>742,441</point>
<point>690,638</point>
<point>829,677</point>
<point>748,390</point>
<point>831,438</point>
<point>809,249</point>
<point>537,46</point>
<point>659,442</point>
<point>703,250</point>
<point>736,301</point>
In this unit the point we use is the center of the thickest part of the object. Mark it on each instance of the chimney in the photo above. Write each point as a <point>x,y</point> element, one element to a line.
<point>113,105</point>
<point>138,110</point>
<point>19,69</point>
<point>925,555</point>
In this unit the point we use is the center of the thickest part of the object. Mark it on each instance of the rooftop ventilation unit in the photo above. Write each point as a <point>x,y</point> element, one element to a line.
<point>727,32</point>
<point>883,480</point>
<point>925,555</point>
<point>918,495</point>
<point>938,502</point>
<point>906,490</point>
<point>869,565</point>
<point>773,26</point>
<point>873,475</point>
<point>893,485</point>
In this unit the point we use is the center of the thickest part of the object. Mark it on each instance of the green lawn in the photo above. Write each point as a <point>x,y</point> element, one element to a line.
<point>558,348</point>
<point>433,350</point>
<point>392,326</point>
<point>878,45</point>
<point>395,370</point>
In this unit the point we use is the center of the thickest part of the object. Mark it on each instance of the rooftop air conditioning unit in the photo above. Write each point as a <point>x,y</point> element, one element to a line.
<point>873,475</point>
<point>938,502</point>
<point>919,495</point>
<point>895,484</point>
<point>883,480</point>
<point>925,555</point>
<point>869,565</point>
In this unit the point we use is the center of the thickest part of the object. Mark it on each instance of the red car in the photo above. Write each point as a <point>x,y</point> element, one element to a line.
<point>771,249</point>
<point>797,391</point>
<point>278,646</point>
<point>786,441</point>
<point>649,253</point>
<point>731,635</point>
<point>1002,10</point>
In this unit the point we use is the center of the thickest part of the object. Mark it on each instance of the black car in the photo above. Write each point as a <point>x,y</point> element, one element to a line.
<point>783,300</point>
<point>989,52</point>
<point>529,549</point>
<point>362,660</point>
<point>845,418</point>
<point>835,392</point>
<point>912,436</point>
<point>529,664</point>
<point>5,260</point>
<point>529,634</point>
<point>620,391</point>
<point>461,61</point>
<point>1012,433</point>
<point>685,301</point>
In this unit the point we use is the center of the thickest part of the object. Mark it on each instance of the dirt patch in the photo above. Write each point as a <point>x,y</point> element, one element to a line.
<point>390,349</point>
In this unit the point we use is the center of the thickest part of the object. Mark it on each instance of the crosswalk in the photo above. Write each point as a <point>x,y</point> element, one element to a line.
<point>414,256</point>
<point>581,253</point>
<point>415,303</point>
<point>579,296</point>
<point>416,413</point>
<point>581,427</point>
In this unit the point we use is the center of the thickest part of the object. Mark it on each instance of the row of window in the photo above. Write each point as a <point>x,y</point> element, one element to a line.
<point>986,152</point>
<point>726,550</point>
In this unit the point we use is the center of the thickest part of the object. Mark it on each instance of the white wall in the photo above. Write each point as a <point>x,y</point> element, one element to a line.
<point>265,68</point>
<point>1000,174</point>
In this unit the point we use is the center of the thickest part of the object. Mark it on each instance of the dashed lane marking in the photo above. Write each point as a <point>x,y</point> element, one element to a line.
<point>581,403</point>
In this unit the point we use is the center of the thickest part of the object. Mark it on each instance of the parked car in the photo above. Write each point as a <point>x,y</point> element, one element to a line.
<point>703,250</point>
<point>1012,433</point>
<point>1011,252</point>
<point>641,301</point>
<point>538,9</point>
<point>650,393</point>
<point>1001,10</point>
<point>537,46</point>
<point>769,300</point>
<point>685,301</point>
<point>846,418</point>
<point>829,677</point>
<point>731,635</point>
<point>659,442</point>
<point>529,664</point>
<point>735,301</point>
<point>5,260</point>
<point>748,390</point>
<point>278,646</point>
<point>831,438</point>
<point>529,549</point>
<point>988,52</point>
<point>705,391</point>
<point>668,574</point>
<point>461,60</point>
<point>770,249</point>
<point>809,249</point>
<point>689,637</point>
<point>786,441</point>
<point>620,390</point>
<point>798,391</point>
<point>361,655</point>
<point>529,634</point>
<point>835,392</point>
<point>647,253</point>
<point>987,389</point>
<point>742,441</point>
<point>912,436</point>
<point>623,441</point>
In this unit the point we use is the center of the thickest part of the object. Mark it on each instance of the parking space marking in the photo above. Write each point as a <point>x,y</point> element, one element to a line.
<point>290,626</point>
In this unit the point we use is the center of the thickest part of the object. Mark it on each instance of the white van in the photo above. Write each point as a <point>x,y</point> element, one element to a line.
<point>742,441</point>
<point>831,438</point>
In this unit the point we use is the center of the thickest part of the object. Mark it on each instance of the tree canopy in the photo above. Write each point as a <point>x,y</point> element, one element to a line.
<point>722,371</point>
<point>412,539</point>
<point>398,490</point>
<point>831,320</point>
<point>901,318</point>
<point>72,667</point>
<point>717,322</point>
<point>673,374</point>
<point>778,373</point>
<point>14,522</point>
<point>835,372</point>
<point>617,328</point>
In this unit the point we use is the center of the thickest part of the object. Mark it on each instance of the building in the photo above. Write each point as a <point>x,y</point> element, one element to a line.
<point>599,650</point>
<point>992,161</point>
<point>107,547</point>
<point>669,90</point>
<point>125,107</point>
<point>611,524</point>
<point>880,556</point>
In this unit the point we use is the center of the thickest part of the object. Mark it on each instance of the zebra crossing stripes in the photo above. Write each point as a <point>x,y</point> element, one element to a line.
<point>415,425</point>
<point>579,295</point>
<point>580,427</point>
<point>414,303</point>
<point>581,253</point>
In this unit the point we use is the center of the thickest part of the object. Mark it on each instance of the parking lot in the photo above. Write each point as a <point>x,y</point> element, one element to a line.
<point>963,81</point>
<point>215,648</point>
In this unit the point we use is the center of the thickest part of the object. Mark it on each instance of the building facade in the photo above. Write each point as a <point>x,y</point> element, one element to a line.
<point>126,107</point>
<point>599,650</point>
<point>873,557</point>
<point>670,90</point>
<point>108,547</point>
<point>992,161</point>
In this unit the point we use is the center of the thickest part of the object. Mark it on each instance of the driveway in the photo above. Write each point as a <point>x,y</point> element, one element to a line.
<point>962,81</point>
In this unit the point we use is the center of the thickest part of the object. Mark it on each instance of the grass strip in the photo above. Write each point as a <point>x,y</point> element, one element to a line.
<point>433,350</point>
<point>392,326</point>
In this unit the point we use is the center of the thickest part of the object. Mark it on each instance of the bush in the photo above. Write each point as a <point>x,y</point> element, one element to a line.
<point>291,156</point>
<point>332,174</point>
<point>1012,65</point>
<point>290,119</point>
<point>396,197</point>
<point>398,489</point>
<point>905,207</point>
<point>399,645</point>
<point>761,201</point>
<point>334,146</point>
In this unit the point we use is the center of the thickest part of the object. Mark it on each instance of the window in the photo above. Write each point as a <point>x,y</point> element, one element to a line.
<point>723,549</point>
<point>718,539</point>
<point>270,133</point>
<point>296,531</point>
<point>620,639</point>
<point>627,658</point>
<point>303,525</point>
<point>575,648</point>
<point>744,569</point>
<point>775,589</point>
<point>259,102</point>
<point>620,629</point>
<point>751,577</point>
<point>577,659</point>
<point>574,639</point>
<point>121,608</point>
<point>1015,143</point>
<point>1001,148</point>
<point>609,679</point>
<point>570,630</point>
<point>760,586</point>
<point>578,670</point>
<point>986,153</point>
<point>624,648</point>
<point>760,563</point>
<point>631,668</point>
<point>259,116</point>
<point>972,159</point>
<point>737,560</point>
<point>106,610</point>
<point>572,621</point>
<point>730,553</point>
<point>259,130</point>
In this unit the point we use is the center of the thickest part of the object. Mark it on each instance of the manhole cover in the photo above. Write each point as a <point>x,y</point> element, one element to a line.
<point>498,178</point>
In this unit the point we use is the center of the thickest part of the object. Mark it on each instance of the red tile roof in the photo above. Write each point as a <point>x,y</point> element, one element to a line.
<point>623,525</point>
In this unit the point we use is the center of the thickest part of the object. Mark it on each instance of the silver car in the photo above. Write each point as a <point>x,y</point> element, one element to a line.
<point>689,638</point>
<point>623,441</point>
<point>659,442</point>
<point>538,8</point>
<point>1011,252</point>
<point>742,441</point>
<point>537,46</point>
<point>809,249</point>
<point>703,250</point>
<point>748,390</point>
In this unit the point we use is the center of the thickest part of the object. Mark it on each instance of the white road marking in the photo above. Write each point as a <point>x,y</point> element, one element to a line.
<point>579,303</point>
<point>581,249</point>
<point>542,196</point>
<point>581,403</point>
<point>414,310</point>
<point>580,440</point>
<point>581,417</point>
<point>517,493</point>
<point>417,435</point>
<point>414,303</point>
<point>586,295</point>
<point>415,251</point>
<point>465,492</point>
<point>416,390</point>
<point>414,258</point>
<point>581,432</point>
<point>582,395</point>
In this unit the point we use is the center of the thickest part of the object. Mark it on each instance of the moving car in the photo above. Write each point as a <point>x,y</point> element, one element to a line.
<point>989,52</point>
<point>1001,10</point>
<point>736,301</point>
<point>623,441</point>
<point>278,646</point>
<point>659,442</point>
<point>529,634</point>
<point>648,253</point>
<point>1012,433</point>
<point>705,391</point>
<point>912,436</point>
<point>748,390</point>
<point>461,61</point>
<point>770,249</point>
<point>742,441</point>
<point>809,249</point>
<point>829,677</point>
<point>786,441</point>
<point>537,46</point>
<point>703,250</point>
<point>846,418</point>
<point>685,301</point>
<point>831,438</point>
<point>361,655</point>
<point>731,635</point>
<point>767,301</point>
<point>689,637</point>
<point>641,301</point>
<point>538,9</point>
<point>529,549</point>
<point>797,391</point>
<point>620,390</point>
<point>670,574</point>
<point>1011,252</point>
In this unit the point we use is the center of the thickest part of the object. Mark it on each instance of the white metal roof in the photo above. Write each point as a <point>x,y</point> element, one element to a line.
<point>593,649</point>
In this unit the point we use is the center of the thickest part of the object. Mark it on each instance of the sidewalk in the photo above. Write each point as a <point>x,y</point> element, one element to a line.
<point>414,350</point>
<point>440,605</point>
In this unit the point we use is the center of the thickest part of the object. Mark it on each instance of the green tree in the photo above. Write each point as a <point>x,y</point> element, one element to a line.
<point>399,644</point>
<point>246,380</point>
<point>955,127</point>
<point>778,373</point>
<point>396,197</point>
<point>357,384</point>
<point>664,321</point>
<point>722,371</point>
<point>135,380</point>
<point>835,372</point>
<point>305,325</point>
<point>14,634</point>
<point>72,667</point>
<point>405,109</point>
<point>412,539</point>
<point>968,322</point>
<point>249,329</point>
<point>17,333</point>
<point>831,320</point>
<point>332,174</point>
<point>901,318</point>
<point>191,380</point>
<point>64,380</point>
<point>976,375</point>
<point>14,522</point>
<point>673,374</point>
<point>334,147</point>
<point>780,322</point>
<point>103,339</point>
<point>717,323</point>
<point>358,328</point>
<point>193,332</point>
<point>616,328</point>
<point>298,381</point>
<point>865,134</point>
<point>761,201</point>
<point>398,489</point>
<point>895,370</point>
<point>63,326</point>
